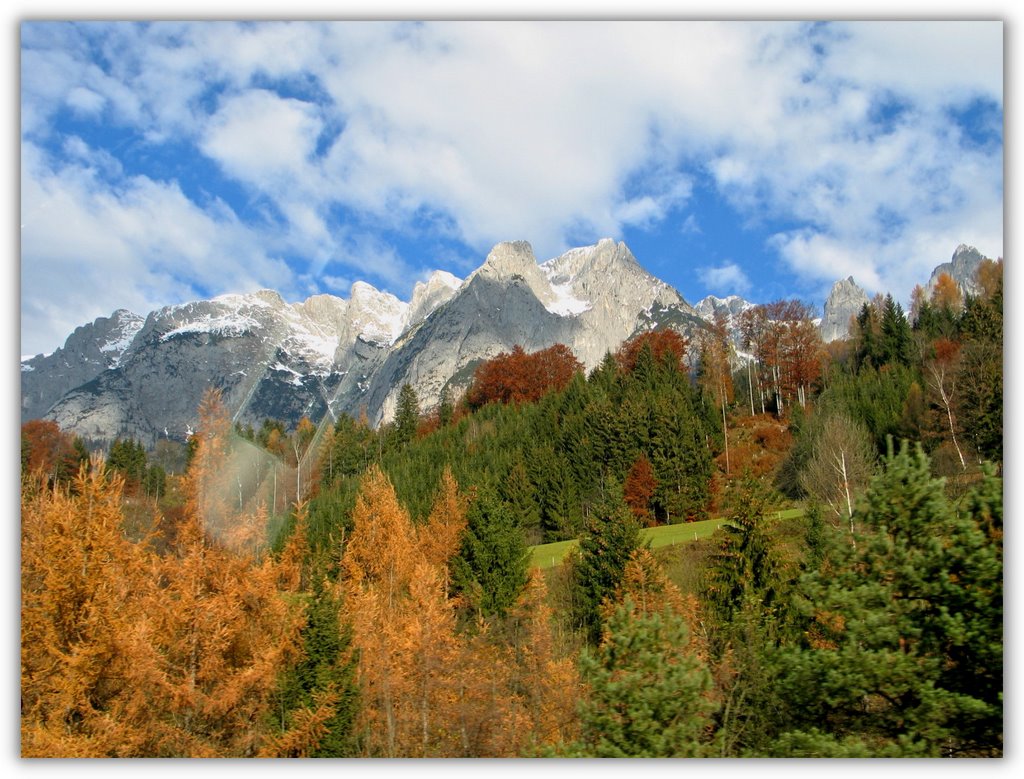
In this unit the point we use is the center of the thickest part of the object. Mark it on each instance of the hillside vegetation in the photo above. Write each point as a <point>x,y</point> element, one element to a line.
<point>796,555</point>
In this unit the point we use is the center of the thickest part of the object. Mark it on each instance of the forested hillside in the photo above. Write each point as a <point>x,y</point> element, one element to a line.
<point>337,590</point>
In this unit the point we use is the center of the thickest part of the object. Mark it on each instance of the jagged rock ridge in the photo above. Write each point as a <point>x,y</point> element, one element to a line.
<point>328,355</point>
<point>143,377</point>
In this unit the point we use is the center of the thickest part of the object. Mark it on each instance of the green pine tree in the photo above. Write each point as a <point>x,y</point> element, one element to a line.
<point>491,568</point>
<point>902,651</point>
<point>328,665</point>
<point>518,492</point>
<point>407,416</point>
<point>646,692</point>
<point>895,344</point>
<point>610,534</point>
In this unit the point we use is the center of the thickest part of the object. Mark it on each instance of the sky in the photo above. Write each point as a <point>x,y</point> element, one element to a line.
<point>166,162</point>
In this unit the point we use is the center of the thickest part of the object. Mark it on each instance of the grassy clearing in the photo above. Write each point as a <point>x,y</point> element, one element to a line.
<point>546,556</point>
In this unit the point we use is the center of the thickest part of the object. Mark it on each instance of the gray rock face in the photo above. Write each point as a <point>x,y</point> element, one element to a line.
<point>731,306</point>
<point>590,299</point>
<point>844,302</point>
<point>327,355</point>
<point>963,268</point>
<point>728,307</point>
<point>88,351</point>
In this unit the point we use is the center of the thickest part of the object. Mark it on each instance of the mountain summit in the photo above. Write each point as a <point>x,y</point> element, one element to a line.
<point>128,375</point>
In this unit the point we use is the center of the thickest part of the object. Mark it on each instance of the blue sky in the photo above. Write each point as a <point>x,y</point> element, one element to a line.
<point>168,162</point>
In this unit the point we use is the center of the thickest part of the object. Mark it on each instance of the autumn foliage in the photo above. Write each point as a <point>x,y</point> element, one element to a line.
<point>638,489</point>
<point>664,344</point>
<point>129,653</point>
<point>47,450</point>
<point>518,377</point>
<point>427,689</point>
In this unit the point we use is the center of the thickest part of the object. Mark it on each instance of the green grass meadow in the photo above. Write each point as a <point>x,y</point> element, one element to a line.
<point>546,556</point>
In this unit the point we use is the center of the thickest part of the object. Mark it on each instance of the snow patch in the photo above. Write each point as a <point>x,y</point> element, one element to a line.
<point>119,345</point>
<point>565,303</point>
<point>229,324</point>
<point>295,380</point>
<point>561,275</point>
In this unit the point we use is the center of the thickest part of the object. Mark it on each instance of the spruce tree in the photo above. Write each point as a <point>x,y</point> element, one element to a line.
<point>491,569</point>
<point>894,345</point>
<point>610,536</point>
<point>518,492</point>
<point>407,416</point>
<point>647,694</point>
<point>902,648</point>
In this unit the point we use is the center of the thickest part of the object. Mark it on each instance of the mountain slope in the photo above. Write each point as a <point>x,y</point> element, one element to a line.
<point>591,299</point>
<point>143,377</point>
<point>328,355</point>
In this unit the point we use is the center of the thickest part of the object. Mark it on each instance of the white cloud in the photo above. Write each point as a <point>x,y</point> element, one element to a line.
<point>263,140</point>
<point>93,249</point>
<point>86,102</point>
<point>727,279</point>
<point>543,131</point>
<point>932,61</point>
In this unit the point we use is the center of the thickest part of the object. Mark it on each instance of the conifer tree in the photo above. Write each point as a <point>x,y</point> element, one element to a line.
<point>445,409</point>
<point>610,536</point>
<point>549,681</point>
<point>743,574</point>
<point>681,459</point>
<point>407,416</point>
<point>647,693</point>
<point>491,567</point>
<point>85,656</point>
<point>903,647</point>
<point>403,625</point>
<point>895,345</point>
<point>518,492</point>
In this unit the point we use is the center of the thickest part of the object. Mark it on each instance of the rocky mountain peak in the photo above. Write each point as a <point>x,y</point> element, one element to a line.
<point>428,295</point>
<point>509,259</point>
<point>89,350</point>
<point>962,267</point>
<point>328,355</point>
<point>325,309</point>
<point>377,317</point>
<point>844,301</point>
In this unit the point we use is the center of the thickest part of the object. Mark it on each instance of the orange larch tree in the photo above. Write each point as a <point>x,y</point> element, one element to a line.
<point>84,651</point>
<point>403,626</point>
<point>126,653</point>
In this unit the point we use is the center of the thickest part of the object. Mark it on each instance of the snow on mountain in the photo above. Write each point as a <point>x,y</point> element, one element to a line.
<point>430,295</point>
<point>561,273</point>
<point>121,336</point>
<point>731,306</point>
<point>377,317</point>
<point>564,302</point>
<point>329,355</point>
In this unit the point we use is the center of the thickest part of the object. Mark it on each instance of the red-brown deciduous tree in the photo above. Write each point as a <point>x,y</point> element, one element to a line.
<point>665,344</point>
<point>518,377</point>
<point>638,489</point>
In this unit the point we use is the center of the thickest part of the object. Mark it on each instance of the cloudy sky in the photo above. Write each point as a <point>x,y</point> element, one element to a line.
<point>168,162</point>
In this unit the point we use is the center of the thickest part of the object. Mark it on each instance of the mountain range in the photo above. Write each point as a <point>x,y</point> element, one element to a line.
<point>142,377</point>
